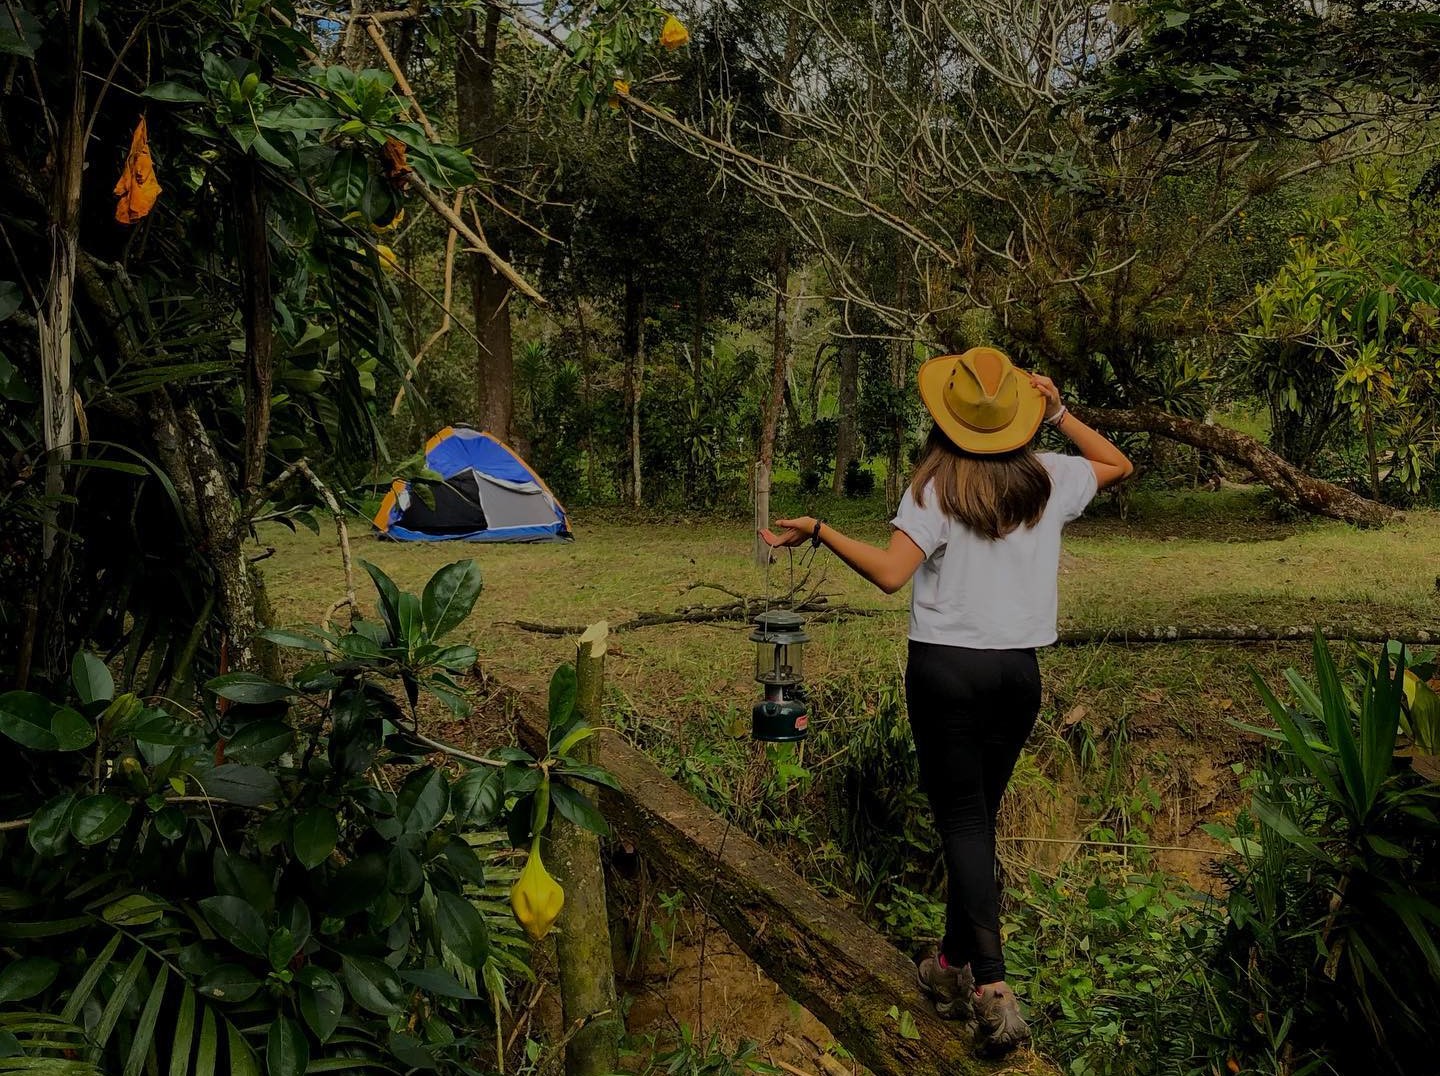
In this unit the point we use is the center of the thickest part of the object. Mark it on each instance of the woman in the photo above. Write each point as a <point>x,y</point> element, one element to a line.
<point>979,529</point>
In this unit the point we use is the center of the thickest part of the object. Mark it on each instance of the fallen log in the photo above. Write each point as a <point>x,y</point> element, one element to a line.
<point>1288,482</point>
<point>1121,635</point>
<point>854,981</point>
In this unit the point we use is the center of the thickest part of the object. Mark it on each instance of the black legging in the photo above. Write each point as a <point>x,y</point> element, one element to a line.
<point>970,711</point>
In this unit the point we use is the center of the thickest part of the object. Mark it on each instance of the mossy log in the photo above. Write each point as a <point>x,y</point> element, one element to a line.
<point>822,955</point>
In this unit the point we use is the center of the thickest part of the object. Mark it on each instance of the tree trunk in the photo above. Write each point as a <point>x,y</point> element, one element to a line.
<point>774,400</point>
<point>587,395</point>
<point>584,957</point>
<point>697,399</point>
<point>845,423</point>
<point>1288,483</point>
<point>490,292</point>
<point>854,981</point>
<point>634,344</point>
<point>253,241</point>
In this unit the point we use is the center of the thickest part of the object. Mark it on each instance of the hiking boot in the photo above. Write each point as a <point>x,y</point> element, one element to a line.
<point>1000,1027</point>
<point>951,989</point>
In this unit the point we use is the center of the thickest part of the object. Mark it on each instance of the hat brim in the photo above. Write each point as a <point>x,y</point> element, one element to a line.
<point>933,377</point>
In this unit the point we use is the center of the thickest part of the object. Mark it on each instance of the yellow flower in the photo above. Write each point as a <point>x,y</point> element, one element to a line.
<point>622,89</point>
<point>536,898</point>
<point>674,35</point>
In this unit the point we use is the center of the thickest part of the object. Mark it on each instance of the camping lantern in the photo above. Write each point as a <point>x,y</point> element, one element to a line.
<point>779,639</point>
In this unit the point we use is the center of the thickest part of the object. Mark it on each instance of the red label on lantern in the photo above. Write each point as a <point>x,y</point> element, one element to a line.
<point>802,723</point>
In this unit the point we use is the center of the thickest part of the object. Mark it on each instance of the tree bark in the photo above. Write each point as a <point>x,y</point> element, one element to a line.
<point>774,400</point>
<point>490,292</point>
<point>585,960</point>
<point>1288,483</point>
<point>819,953</point>
<point>634,345</point>
<point>845,422</point>
<point>253,240</point>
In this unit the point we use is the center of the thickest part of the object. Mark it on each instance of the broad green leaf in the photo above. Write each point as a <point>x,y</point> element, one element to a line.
<point>321,1000</point>
<point>237,876</point>
<point>95,819</point>
<point>423,800</point>
<point>245,687</point>
<point>72,731</point>
<point>293,640</point>
<point>389,598</point>
<point>260,742</point>
<point>450,595</point>
<point>478,796</point>
<point>134,910</point>
<point>437,981</point>
<point>411,621</point>
<point>250,786</point>
<point>91,678</point>
<point>237,922</point>
<point>27,977</point>
<point>173,93</point>
<point>25,718</point>
<point>286,1050</point>
<point>314,836</point>
<point>576,808</point>
<point>10,299</point>
<point>373,984</point>
<point>49,830</point>
<point>229,983</point>
<point>348,172</point>
<point>462,928</point>
<point>562,696</point>
<point>585,772</point>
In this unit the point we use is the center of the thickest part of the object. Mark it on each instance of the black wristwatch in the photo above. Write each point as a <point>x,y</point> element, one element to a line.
<point>815,535</point>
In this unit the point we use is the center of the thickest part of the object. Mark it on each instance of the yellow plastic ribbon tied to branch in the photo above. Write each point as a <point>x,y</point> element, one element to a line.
<point>674,35</point>
<point>137,187</point>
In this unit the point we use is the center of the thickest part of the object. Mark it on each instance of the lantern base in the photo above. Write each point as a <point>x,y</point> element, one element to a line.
<point>782,721</point>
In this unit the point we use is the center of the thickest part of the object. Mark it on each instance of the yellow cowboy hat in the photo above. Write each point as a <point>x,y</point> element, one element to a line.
<point>981,401</point>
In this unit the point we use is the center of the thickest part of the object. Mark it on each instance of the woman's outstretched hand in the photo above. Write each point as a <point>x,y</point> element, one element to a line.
<point>792,532</point>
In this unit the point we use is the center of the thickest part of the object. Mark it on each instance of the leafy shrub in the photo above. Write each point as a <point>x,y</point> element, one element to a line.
<point>1334,912</point>
<point>279,881</point>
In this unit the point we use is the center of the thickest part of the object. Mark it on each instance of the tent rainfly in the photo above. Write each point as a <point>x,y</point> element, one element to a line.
<point>487,493</point>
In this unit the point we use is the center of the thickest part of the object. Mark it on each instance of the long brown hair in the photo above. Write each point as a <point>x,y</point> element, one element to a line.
<point>992,495</point>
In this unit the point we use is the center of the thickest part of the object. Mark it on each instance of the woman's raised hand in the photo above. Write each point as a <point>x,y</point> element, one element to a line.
<point>1050,391</point>
<point>792,532</point>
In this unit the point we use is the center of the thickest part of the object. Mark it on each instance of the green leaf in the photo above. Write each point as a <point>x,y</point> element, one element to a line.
<point>245,687</point>
<point>389,598</point>
<point>315,834</point>
<point>144,1034</point>
<point>242,1059</point>
<point>411,621</point>
<point>121,998</point>
<point>478,796</point>
<point>237,922</point>
<point>207,1053</point>
<point>423,800</point>
<point>25,718</point>
<point>184,1035</point>
<point>134,910</point>
<point>173,93</point>
<point>346,180</point>
<point>286,1050</point>
<point>86,986</point>
<point>585,772</point>
<point>373,984</point>
<point>293,640</point>
<point>27,977</point>
<point>321,1000</point>
<point>10,299</point>
<point>95,819</point>
<point>229,983</point>
<point>91,678</point>
<point>562,696</point>
<point>249,786</point>
<point>236,876</point>
<point>49,830</point>
<point>577,809</point>
<point>72,732</point>
<point>462,929</point>
<point>260,742</point>
<point>437,981</point>
<point>450,595</point>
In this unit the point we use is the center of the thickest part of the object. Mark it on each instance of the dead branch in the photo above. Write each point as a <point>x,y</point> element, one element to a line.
<point>342,532</point>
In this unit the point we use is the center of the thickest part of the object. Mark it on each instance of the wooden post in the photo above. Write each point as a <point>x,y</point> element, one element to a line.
<point>582,946</point>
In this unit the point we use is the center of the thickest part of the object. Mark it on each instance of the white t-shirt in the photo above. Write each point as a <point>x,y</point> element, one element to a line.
<point>992,595</point>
